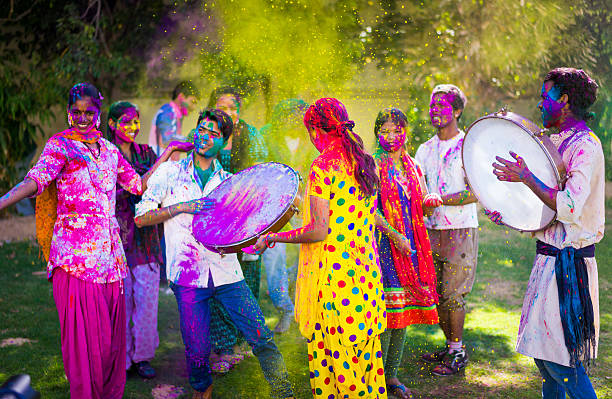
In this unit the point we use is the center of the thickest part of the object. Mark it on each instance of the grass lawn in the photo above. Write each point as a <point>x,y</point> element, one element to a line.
<point>495,371</point>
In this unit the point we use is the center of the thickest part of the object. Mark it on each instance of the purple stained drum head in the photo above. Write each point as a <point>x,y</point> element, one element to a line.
<point>248,204</point>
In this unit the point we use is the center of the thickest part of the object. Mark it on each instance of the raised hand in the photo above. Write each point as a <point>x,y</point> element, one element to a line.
<point>432,200</point>
<point>495,217</point>
<point>196,206</point>
<point>182,146</point>
<point>510,171</point>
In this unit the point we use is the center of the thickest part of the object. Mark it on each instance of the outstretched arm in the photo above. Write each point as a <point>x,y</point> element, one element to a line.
<point>26,188</point>
<point>314,231</point>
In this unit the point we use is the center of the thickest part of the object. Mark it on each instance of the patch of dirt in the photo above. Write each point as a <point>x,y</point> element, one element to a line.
<point>17,228</point>
<point>505,290</point>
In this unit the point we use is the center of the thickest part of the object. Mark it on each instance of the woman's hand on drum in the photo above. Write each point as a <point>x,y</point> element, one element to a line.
<point>263,243</point>
<point>432,200</point>
<point>511,171</point>
<point>196,206</point>
<point>495,217</point>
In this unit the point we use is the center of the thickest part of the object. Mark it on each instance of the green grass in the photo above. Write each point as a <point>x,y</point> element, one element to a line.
<point>495,370</point>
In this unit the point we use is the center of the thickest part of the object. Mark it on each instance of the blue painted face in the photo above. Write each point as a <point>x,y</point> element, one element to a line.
<point>550,107</point>
<point>202,139</point>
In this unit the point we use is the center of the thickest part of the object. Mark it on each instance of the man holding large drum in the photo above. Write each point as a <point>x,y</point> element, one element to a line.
<point>176,193</point>
<point>559,325</point>
<point>452,227</point>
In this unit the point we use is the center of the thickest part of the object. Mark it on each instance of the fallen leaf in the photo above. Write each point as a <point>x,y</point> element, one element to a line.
<point>165,391</point>
<point>15,342</point>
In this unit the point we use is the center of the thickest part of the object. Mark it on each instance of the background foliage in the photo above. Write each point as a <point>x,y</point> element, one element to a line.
<point>497,51</point>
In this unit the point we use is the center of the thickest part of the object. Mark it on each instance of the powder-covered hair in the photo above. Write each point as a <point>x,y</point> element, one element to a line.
<point>116,110</point>
<point>330,115</point>
<point>579,87</point>
<point>187,88</point>
<point>390,114</point>
<point>459,101</point>
<point>222,91</point>
<point>80,90</point>
<point>225,122</point>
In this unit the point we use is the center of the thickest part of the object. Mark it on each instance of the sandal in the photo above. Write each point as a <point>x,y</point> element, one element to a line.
<point>399,391</point>
<point>435,357</point>
<point>232,358</point>
<point>452,364</point>
<point>220,367</point>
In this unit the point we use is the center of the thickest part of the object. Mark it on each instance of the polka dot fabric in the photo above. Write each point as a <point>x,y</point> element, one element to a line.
<point>344,346</point>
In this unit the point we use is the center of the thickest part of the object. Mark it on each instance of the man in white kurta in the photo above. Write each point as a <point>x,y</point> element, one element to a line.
<point>567,93</point>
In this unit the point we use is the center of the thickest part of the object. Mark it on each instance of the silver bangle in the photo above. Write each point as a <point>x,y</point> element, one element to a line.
<point>170,212</point>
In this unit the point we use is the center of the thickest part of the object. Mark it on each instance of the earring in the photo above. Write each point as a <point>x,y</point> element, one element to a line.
<point>70,122</point>
<point>98,122</point>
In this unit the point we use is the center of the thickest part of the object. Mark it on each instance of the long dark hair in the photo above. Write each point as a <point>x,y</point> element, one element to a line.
<point>330,115</point>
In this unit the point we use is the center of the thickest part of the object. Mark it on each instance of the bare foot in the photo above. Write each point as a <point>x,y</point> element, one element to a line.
<point>397,389</point>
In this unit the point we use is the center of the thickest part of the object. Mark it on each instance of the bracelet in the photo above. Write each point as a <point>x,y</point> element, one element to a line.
<point>170,212</point>
<point>267,241</point>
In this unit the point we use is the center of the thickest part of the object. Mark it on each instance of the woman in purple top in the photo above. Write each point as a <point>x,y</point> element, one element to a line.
<point>141,245</point>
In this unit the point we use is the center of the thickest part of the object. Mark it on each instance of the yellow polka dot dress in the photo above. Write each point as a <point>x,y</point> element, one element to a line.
<point>339,300</point>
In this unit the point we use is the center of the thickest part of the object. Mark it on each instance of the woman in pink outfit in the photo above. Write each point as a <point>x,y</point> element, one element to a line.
<point>77,174</point>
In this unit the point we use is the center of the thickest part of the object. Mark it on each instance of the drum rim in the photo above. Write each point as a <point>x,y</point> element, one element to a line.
<point>507,115</point>
<point>219,248</point>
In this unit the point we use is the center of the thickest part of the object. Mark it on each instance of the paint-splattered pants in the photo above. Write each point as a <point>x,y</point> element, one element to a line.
<point>245,313</point>
<point>92,323</point>
<point>141,302</point>
<point>224,334</point>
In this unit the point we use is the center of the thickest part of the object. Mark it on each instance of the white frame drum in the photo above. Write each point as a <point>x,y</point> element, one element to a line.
<point>496,135</point>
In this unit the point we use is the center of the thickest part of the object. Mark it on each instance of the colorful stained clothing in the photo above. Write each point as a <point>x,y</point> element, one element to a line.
<point>86,237</point>
<point>141,245</point>
<point>580,223</point>
<point>344,322</point>
<point>247,150</point>
<point>92,330</point>
<point>86,262</point>
<point>189,263</point>
<point>442,166</point>
<point>165,127</point>
<point>141,288</point>
<point>409,282</point>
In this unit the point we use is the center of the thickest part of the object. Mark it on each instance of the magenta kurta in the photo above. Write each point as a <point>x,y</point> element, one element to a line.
<point>86,241</point>
<point>87,251</point>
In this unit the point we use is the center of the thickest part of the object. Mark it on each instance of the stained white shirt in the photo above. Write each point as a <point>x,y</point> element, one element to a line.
<point>442,166</point>
<point>188,263</point>
<point>580,223</point>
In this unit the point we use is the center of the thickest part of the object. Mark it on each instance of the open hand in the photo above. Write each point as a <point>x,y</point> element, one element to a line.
<point>196,206</point>
<point>495,217</point>
<point>432,200</point>
<point>510,171</point>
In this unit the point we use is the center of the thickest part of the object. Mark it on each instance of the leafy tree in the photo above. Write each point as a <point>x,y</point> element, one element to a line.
<point>47,46</point>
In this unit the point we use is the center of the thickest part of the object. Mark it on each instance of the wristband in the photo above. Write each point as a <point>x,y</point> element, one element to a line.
<point>267,241</point>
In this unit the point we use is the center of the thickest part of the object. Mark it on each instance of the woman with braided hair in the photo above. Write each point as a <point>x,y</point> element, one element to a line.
<point>339,296</point>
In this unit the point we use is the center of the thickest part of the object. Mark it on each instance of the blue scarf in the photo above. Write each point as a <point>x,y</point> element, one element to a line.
<point>575,306</point>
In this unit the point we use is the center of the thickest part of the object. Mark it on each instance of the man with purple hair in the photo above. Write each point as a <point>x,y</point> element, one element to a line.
<point>559,325</point>
<point>452,227</point>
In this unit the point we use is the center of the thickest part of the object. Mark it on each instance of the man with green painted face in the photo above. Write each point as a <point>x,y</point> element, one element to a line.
<point>174,194</point>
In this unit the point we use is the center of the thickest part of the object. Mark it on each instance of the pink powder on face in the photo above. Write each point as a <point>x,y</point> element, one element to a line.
<point>441,109</point>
